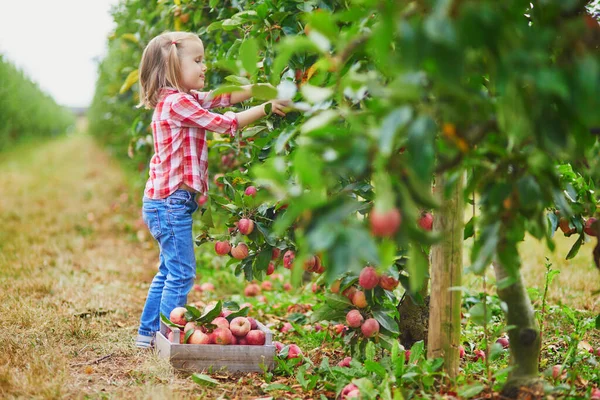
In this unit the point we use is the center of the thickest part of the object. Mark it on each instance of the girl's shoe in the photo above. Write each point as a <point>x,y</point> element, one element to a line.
<point>144,342</point>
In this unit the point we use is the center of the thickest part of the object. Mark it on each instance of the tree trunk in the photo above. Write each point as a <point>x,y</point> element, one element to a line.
<point>446,272</point>
<point>525,341</point>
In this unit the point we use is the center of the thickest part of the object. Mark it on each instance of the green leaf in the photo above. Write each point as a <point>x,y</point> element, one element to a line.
<point>193,312</point>
<point>261,262</point>
<point>393,122</point>
<point>598,322</point>
<point>386,321</point>
<point>326,313</point>
<point>418,268</point>
<point>575,249</point>
<point>263,91</point>
<point>212,314</point>
<point>337,301</point>
<point>471,390</point>
<point>249,55</point>
<point>204,380</point>
<point>239,313</point>
<point>188,334</point>
<point>478,316</point>
<point>375,367</point>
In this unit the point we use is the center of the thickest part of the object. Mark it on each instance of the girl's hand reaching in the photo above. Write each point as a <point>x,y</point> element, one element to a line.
<point>279,107</point>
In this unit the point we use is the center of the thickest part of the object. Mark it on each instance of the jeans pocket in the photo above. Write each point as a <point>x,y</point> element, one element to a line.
<point>152,221</point>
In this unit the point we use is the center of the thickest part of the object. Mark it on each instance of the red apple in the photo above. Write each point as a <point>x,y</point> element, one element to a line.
<point>246,226</point>
<point>199,337</point>
<point>503,341</point>
<point>255,338</point>
<point>278,346</point>
<point>370,327</point>
<point>349,292</point>
<point>223,336</point>
<point>557,371</point>
<point>286,327</point>
<point>368,278</point>
<point>171,337</point>
<point>353,394</point>
<point>222,247</point>
<point>207,287</point>
<point>359,299</point>
<point>349,388</point>
<point>189,326</point>
<point>242,341</point>
<point>220,322</point>
<point>239,326</point>
<point>270,268</point>
<point>595,394</point>
<point>312,264</point>
<point>240,251</point>
<point>345,362</point>
<point>197,287</point>
<point>385,223</point>
<point>294,351</point>
<point>250,191</point>
<point>563,223</point>
<point>340,329</point>
<point>288,259</point>
<point>589,229</point>
<point>479,355</point>
<point>202,200</point>
<point>266,285</point>
<point>407,355</point>
<point>253,324</point>
<point>388,282</point>
<point>287,286</point>
<point>252,290</point>
<point>354,319</point>
<point>177,316</point>
<point>461,351</point>
<point>426,221</point>
<point>276,253</point>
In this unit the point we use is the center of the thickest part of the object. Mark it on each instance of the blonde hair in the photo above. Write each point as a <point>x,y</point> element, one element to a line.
<point>160,66</point>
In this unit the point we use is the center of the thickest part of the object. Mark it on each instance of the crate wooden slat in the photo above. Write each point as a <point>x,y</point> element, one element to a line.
<point>202,357</point>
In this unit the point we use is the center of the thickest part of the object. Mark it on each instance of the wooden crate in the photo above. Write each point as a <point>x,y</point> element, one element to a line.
<point>213,357</point>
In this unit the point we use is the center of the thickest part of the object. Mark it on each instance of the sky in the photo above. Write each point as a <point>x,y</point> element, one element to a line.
<point>57,43</point>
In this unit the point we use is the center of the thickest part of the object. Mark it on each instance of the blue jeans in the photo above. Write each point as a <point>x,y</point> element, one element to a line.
<point>170,223</point>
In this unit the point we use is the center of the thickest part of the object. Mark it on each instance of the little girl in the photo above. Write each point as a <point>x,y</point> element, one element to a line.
<point>171,71</point>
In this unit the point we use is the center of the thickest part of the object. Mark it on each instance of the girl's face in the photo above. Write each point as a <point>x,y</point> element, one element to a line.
<point>192,65</point>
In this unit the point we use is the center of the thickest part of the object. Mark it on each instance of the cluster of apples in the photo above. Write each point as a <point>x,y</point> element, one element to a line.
<point>368,279</point>
<point>241,330</point>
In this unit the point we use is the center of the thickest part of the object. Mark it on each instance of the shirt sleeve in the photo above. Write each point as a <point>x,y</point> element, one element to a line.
<point>207,100</point>
<point>189,113</point>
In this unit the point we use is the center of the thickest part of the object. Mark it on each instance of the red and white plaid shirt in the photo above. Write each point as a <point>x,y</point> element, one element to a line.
<point>179,126</point>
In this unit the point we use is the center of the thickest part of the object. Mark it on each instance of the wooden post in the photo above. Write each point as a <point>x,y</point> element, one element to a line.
<point>446,272</point>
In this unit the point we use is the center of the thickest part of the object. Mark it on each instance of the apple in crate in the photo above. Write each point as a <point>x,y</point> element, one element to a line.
<point>199,337</point>
<point>221,322</point>
<point>177,316</point>
<point>255,338</point>
<point>222,336</point>
<point>239,326</point>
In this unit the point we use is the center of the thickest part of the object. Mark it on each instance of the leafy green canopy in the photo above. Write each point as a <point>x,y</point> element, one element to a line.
<point>388,96</point>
